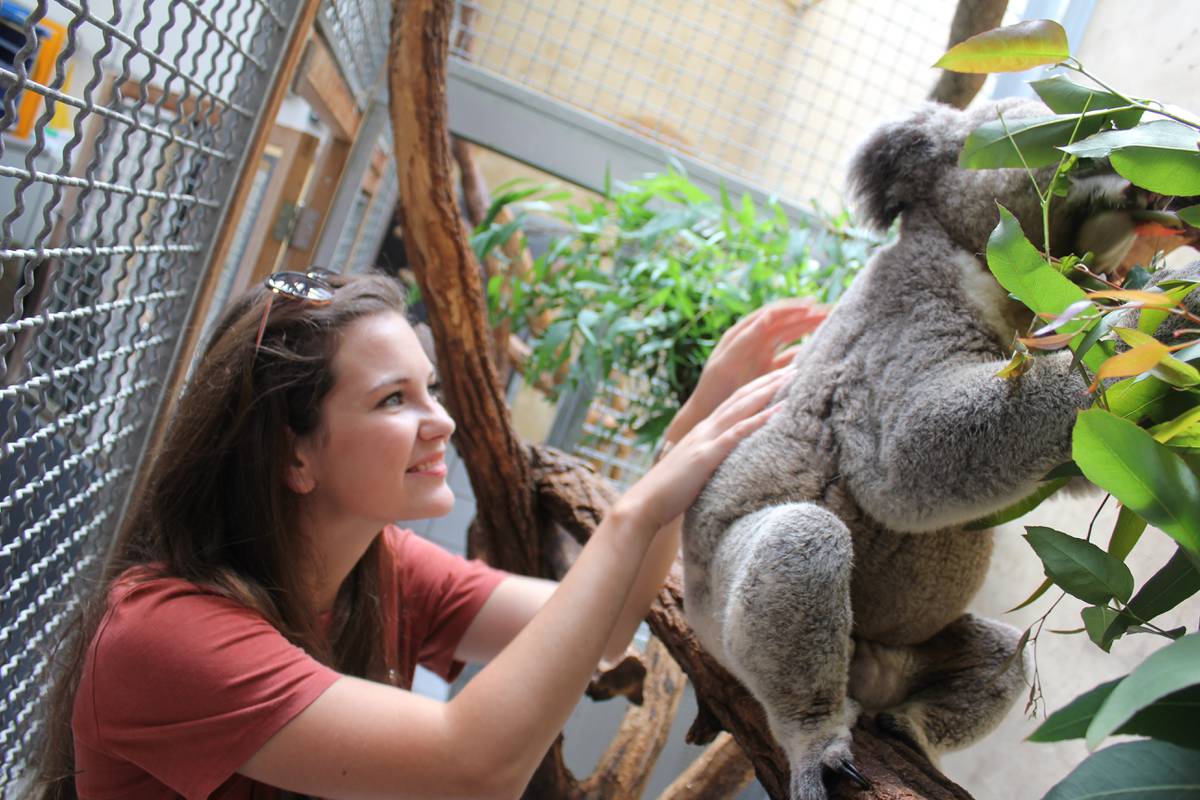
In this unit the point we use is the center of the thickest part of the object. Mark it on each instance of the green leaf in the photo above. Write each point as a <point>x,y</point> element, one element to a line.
<point>1079,567</point>
<point>1012,48</point>
<point>1176,372</point>
<point>1149,478</point>
<point>1169,719</point>
<point>1038,592</point>
<point>1177,581</point>
<point>1160,156</point>
<point>1162,133</point>
<point>1133,771</point>
<point>1150,318</point>
<point>1174,667</point>
<point>1019,508</point>
<point>1190,215</point>
<point>1031,141</point>
<point>1126,533</point>
<point>1071,721</point>
<point>1021,270</point>
<point>1064,96</point>
<point>1184,423</point>
<point>1137,399</point>
<point>1096,620</point>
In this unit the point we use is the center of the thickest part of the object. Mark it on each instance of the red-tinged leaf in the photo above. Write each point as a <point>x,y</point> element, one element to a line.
<point>1156,229</point>
<point>1013,48</point>
<point>1134,361</point>
<point>1149,299</point>
<point>1055,341</point>
<point>1069,313</point>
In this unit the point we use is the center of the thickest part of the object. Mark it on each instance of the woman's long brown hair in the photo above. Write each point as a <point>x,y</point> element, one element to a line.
<point>214,508</point>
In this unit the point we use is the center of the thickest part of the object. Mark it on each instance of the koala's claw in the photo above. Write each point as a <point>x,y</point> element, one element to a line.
<point>848,769</point>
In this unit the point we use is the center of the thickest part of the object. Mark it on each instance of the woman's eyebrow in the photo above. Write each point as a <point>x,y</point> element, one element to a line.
<point>397,380</point>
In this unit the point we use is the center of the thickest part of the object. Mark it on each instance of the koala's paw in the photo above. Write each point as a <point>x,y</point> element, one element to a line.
<point>825,753</point>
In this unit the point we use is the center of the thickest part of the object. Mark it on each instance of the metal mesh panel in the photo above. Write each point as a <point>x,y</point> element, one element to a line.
<point>122,128</point>
<point>358,35</point>
<point>772,91</point>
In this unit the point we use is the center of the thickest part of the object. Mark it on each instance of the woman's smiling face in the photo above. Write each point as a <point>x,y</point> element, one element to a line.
<point>378,453</point>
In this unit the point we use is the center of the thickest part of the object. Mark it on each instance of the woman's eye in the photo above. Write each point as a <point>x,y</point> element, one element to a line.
<point>435,391</point>
<point>393,399</point>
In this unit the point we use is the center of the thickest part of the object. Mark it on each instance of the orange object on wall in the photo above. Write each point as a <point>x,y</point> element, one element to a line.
<point>43,68</point>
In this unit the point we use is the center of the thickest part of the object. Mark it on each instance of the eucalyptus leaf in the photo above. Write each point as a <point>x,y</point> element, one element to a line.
<point>1178,580</point>
<point>1064,96</point>
<point>1022,270</point>
<point>1161,156</point>
<point>1032,141</point>
<point>1170,719</point>
<point>1071,721</point>
<point>1096,620</point>
<point>1126,532</point>
<point>1042,588</point>
<point>1174,667</point>
<point>1144,475</point>
<point>1137,400</point>
<point>1013,48</point>
<point>1079,567</point>
<point>1133,771</point>
<point>1019,508</point>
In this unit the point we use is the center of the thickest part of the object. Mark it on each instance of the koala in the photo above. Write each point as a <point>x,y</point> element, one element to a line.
<point>826,564</point>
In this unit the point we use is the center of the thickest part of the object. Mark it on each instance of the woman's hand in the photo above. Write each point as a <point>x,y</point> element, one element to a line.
<point>674,482</point>
<point>749,349</point>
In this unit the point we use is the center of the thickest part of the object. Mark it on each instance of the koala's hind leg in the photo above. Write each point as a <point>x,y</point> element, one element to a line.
<point>960,684</point>
<point>786,633</point>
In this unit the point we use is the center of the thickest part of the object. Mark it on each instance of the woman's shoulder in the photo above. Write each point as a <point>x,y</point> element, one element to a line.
<point>148,589</point>
<point>151,614</point>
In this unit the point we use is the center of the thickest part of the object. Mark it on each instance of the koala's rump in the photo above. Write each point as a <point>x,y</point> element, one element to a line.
<point>905,587</point>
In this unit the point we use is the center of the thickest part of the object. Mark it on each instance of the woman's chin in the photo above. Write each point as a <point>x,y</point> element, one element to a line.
<point>438,505</point>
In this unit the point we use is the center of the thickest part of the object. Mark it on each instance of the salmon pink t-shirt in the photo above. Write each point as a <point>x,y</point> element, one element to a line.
<point>181,686</point>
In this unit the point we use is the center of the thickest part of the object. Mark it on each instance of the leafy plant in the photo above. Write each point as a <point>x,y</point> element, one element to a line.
<point>647,278</point>
<point>1141,440</point>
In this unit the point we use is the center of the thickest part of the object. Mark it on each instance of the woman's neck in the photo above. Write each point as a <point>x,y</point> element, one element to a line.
<point>337,545</point>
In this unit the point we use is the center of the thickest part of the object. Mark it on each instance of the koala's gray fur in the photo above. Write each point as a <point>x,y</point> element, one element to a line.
<point>825,563</point>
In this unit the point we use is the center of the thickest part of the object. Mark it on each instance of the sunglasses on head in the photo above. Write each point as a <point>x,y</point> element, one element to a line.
<point>310,287</point>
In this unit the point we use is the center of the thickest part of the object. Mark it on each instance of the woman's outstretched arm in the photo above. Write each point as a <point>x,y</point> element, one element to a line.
<point>362,740</point>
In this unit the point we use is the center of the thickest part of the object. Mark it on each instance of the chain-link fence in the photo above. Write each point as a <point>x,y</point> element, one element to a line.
<point>123,128</point>
<point>771,91</point>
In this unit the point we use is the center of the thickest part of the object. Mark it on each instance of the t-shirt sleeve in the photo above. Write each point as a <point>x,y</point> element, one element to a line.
<point>188,685</point>
<point>443,593</point>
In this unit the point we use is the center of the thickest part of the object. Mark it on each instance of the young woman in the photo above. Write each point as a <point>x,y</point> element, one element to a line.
<point>260,618</point>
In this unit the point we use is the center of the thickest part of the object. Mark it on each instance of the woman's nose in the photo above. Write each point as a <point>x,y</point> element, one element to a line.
<point>438,424</point>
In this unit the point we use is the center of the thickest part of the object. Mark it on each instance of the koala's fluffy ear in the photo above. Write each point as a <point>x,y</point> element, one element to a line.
<point>900,162</point>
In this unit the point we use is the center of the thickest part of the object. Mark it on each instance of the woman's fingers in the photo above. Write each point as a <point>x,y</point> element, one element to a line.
<point>784,358</point>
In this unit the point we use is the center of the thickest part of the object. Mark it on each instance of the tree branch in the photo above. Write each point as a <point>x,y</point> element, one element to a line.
<point>958,89</point>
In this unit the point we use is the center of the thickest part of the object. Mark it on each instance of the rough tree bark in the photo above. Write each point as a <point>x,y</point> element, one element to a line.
<point>512,531</point>
<point>970,17</point>
<point>531,495</point>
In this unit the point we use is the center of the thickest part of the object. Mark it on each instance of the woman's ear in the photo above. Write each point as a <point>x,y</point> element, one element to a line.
<point>299,471</point>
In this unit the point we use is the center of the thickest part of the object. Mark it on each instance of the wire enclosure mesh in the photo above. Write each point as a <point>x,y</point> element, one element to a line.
<point>772,91</point>
<point>123,126</point>
<point>775,92</point>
